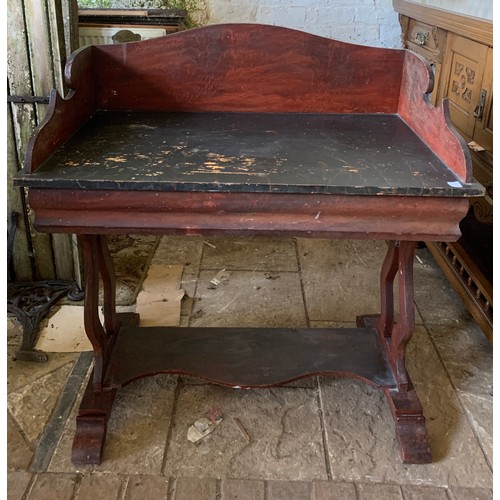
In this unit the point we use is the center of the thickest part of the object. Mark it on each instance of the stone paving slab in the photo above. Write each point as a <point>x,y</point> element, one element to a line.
<point>143,487</point>
<point>424,493</point>
<point>53,486</point>
<point>470,494</point>
<point>341,278</point>
<point>32,404</point>
<point>361,437</point>
<point>105,486</point>
<point>435,298</point>
<point>22,485</point>
<point>194,487</point>
<point>368,491</point>
<point>17,483</point>
<point>250,254</point>
<point>328,490</point>
<point>468,359</point>
<point>249,299</point>
<point>289,490</point>
<point>243,489</point>
<point>282,436</point>
<point>137,430</point>
<point>19,453</point>
<point>185,250</point>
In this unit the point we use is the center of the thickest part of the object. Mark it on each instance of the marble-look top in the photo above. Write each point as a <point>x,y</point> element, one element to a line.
<point>358,154</point>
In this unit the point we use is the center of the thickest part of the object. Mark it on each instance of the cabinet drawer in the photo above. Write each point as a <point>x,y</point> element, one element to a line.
<point>422,38</point>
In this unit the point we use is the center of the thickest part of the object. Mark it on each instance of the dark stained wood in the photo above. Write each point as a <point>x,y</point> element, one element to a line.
<point>92,425</point>
<point>247,357</point>
<point>106,270</point>
<point>404,405</point>
<point>249,68</point>
<point>334,216</point>
<point>64,116</point>
<point>387,275</point>
<point>93,327</point>
<point>395,336</point>
<point>410,426</point>
<point>248,129</point>
<point>403,329</point>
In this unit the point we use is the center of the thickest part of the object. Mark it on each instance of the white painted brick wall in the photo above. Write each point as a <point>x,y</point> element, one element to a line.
<point>367,22</point>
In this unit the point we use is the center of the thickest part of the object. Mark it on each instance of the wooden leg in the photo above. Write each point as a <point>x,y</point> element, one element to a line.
<point>106,269</point>
<point>395,337</point>
<point>95,409</point>
<point>384,321</point>
<point>387,275</point>
<point>410,426</point>
<point>91,425</point>
<point>90,251</point>
<point>403,330</point>
<point>403,400</point>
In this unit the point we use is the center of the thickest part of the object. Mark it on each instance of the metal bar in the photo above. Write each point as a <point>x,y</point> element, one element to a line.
<point>25,99</point>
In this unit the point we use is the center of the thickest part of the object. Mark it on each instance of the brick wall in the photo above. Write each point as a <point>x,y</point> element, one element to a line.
<point>367,22</point>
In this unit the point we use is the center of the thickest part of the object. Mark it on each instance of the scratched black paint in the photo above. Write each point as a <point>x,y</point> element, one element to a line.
<point>249,152</point>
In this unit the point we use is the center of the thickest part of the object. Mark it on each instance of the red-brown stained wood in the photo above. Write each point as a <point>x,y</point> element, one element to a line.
<point>363,217</point>
<point>432,124</point>
<point>64,116</point>
<point>256,69</point>
<point>248,67</point>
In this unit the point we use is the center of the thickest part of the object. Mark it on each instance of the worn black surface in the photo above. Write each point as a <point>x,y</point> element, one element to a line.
<point>246,152</point>
<point>248,357</point>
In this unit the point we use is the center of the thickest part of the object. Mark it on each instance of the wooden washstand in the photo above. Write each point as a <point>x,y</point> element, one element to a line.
<point>249,129</point>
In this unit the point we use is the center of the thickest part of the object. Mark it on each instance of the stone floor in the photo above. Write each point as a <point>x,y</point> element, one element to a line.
<point>319,438</point>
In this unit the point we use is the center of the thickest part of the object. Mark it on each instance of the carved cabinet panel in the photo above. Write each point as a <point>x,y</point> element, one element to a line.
<point>460,49</point>
<point>463,75</point>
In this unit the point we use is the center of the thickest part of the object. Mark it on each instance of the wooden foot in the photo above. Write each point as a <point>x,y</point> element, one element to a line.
<point>410,426</point>
<point>91,425</point>
<point>89,439</point>
<point>407,412</point>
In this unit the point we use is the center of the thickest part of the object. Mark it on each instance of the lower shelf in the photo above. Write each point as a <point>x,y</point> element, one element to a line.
<point>248,357</point>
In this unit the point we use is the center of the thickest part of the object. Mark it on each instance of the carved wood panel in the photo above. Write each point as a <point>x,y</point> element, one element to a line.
<point>464,72</point>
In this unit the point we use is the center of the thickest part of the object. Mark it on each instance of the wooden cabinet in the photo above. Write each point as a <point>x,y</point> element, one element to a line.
<point>460,50</point>
<point>466,82</point>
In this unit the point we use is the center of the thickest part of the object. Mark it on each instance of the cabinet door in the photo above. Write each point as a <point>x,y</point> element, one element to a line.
<point>483,132</point>
<point>465,63</point>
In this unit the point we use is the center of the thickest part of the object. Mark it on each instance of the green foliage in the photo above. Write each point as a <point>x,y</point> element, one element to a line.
<point>95,4</point>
